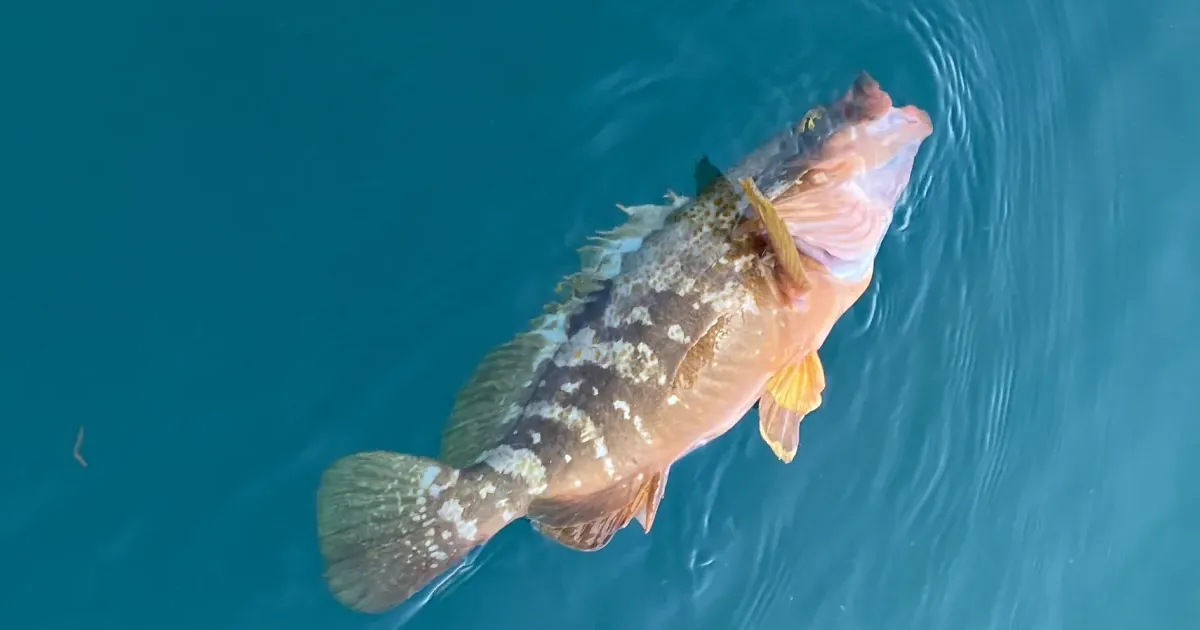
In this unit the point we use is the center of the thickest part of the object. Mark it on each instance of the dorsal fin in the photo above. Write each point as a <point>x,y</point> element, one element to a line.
<point>490,403</point>
<point>705,175</point>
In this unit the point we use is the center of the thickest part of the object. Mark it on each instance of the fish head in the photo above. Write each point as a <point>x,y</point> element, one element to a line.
<point>879,138</point>
<point>835,178</point>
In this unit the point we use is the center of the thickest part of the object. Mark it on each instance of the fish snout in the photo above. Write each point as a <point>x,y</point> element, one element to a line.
<point>918,120</point>
<point>865,100</point>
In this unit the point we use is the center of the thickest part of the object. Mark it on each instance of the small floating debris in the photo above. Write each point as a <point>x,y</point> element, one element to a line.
<point>78,445</point>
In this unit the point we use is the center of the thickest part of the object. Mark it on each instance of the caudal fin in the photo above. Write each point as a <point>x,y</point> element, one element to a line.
<point>391,523</point>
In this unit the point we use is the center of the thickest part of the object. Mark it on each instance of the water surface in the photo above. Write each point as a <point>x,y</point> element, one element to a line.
<point>239,240</point>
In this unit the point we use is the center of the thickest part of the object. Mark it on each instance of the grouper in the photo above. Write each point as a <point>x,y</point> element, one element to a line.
<point>677,324</point>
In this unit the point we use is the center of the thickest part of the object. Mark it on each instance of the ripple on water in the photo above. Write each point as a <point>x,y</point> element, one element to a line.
<point>972,254</point>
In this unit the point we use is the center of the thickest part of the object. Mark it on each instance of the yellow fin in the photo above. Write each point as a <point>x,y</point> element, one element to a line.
<point>794,392</point>
<point>777,233</point>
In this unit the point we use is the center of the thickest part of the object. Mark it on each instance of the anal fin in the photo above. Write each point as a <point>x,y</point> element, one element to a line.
<point>595,534</point>
<point>794,392</point>
<point>591,535</point>
<point>653,492</point>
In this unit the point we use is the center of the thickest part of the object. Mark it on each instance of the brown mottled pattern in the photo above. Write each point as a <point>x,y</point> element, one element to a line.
<point>591,416</point>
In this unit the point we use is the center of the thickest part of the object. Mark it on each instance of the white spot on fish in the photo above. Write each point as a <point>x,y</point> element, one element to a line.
<point>622,406</point>
<point>669,277</point>
<point>452,512</point>
<point>435,490</point>
<point>636,363</point>
<point>734,295</point>
<point>487,489</point>
<point>571,387</point>
<point>613,318</point>
<point>595,392</point>
<point>608,467</point>
<point>685,286</point>
<point>740,264</point>
<point>438,555</point>
<point>507,516</point>
<point>536,437</point>
<point>578,483</point>
<point>675,333</point>
<point>521,463</point>
<point>600,447</point>
<point>672,399</point>
<point>641,429</point>
<point>428,476</point>
<point>573,417</point>
<point>566,458</point>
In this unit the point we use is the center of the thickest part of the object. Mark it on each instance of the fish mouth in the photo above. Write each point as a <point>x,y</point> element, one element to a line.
<point>864,116</point>
<point>835,177</point>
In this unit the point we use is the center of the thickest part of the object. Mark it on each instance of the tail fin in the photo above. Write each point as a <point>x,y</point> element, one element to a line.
<point>389,524</point>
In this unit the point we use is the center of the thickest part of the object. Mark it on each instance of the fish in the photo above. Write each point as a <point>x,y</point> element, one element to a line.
<point>677,324</point>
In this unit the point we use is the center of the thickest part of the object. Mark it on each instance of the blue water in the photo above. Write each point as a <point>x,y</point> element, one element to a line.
<point>239,240</point>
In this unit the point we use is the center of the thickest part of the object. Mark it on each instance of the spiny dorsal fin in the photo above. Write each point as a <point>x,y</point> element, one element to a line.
<point>705,175</point>
<point>490,403</point>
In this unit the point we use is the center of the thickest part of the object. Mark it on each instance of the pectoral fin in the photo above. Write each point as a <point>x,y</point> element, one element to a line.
<point>791,394</point>
<point>777,234</point>
<point>593,535</point>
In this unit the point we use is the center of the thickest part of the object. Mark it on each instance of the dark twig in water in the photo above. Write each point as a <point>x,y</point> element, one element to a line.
<point>79,444</point>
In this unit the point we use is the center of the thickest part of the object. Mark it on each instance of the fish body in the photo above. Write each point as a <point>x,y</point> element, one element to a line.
<point>677,324</point>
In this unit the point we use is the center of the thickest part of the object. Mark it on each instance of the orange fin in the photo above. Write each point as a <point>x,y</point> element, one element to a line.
<point>653,492</point>
<point>593,535</point>
<point>794,392</point>
<point>777,234</point>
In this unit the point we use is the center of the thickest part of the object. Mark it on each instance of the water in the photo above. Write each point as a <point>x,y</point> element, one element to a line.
<point>241,239</point>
